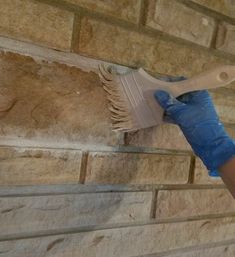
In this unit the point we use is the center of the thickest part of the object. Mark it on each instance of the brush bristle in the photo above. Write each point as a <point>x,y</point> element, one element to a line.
<point>121,117</point>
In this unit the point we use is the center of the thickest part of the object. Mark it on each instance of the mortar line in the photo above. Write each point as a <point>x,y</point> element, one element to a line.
<point>83,168</point>
<point>154,204</point>
<point>76,32</point>
<point>192,170</point>
<point>76,230</point>
<point>214,35</point>
<point>143,12</point>
<point>46,190</point>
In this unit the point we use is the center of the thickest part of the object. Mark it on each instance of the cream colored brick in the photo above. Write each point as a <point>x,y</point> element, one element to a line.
<point>126,241</point>
<point>125,9</point>
<point>164,136</point>
<point>192,203</point>
<point>31,167</point>
<point>56,103</point>
<point>36,213</point>
<point>226,38</point>
<point>123,46</point>
<point>201,175</point>
<point>134,168</point>
<point>226,7</point>
<point>31,21</point>
<point>178,20</point>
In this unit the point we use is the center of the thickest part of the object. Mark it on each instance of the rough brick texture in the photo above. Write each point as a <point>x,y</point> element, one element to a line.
<point>55,103</point>
<point>171,17</point>
<point>131,168</point>
<point>188,203</point>
<point>226,7</point>
<point>226,38</point>
<point>129,241</point>
<point>69,211</point>
<point>35,22</point>
<point>125,9</point>
<point>32,167</point>
<point>113,43</point>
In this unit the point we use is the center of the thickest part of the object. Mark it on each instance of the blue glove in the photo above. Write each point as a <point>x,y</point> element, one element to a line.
<point>196,116</point>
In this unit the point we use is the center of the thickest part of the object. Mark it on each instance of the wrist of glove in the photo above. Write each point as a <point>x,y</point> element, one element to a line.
<point>196,116</point>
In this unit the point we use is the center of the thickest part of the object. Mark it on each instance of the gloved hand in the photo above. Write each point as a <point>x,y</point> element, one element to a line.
<point>196,116</point>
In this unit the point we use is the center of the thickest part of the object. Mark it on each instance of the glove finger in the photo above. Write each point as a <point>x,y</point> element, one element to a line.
<point>168,119</point>
<point>168,102</point>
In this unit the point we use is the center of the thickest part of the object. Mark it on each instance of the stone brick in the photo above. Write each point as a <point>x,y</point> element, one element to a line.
<point>56,103</point>
<point>137,168</point>
<point>226,38</point>
<point>36,22</point>
<point>125,9</point>
<point>155,54</point>
<point>180,21</point>
<point>38,213</point>
<point>201,175</point>
<point>30,167</point>
<point>224,250</point>
<point>190,203</point>
<point>226,7</point>
<point>126,241</point>
<point>164,136</point>
<point>224,103</point>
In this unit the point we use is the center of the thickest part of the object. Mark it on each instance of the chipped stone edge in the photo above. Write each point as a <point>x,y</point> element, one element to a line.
<point>41,53</point>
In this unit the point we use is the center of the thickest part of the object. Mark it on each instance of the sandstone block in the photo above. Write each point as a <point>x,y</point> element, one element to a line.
<point>131,48</point>
<point>37,213</point>
<point>190,203</point>
<point>54,103</point>
<point>127,241</point>
<point>36,22</point>
<point>137,168</point>
<point>181,21</point>
<point>164,136</point>
<point>29,167</point>
<point>226,38</point>
<point>125,9</point>
<point>226,7</point>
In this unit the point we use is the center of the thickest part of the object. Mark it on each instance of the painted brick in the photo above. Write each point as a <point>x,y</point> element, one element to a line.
<point>36,22</point>
<point>226,7</point>
<point>125,9</point>
<point>164,136</point>
<point>223,99</point>
<point>190,203</point>
<point>119,45</point>
<point>226,38</point>
<point>201,175</point>
<point>56,103</point>
<point>224,250</point>
<point>137,168</point>
<point>128,241</point>
<point>30,167</point>
<point>178,20</point>
<point>36,213</point>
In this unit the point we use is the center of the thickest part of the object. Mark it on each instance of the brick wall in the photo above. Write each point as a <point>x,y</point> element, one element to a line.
<point>69,186</point>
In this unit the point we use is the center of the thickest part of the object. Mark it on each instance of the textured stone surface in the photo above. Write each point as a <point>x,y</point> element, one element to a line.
<point>134,168</point>
<point>55,103</point>
<point>129,241</point>
<point>180,21</point>
<point>125,9</point>
<point>225,251</point>
<point>30,214</point>
<point>226,7</point>
<point>30,167</point>
<point>164,136</point>
<point>226,38</point>
<point>36,22</point>
<point>116,44</point>
<point>201,175</point>
<point>188,203</point>
<point>224,103</point>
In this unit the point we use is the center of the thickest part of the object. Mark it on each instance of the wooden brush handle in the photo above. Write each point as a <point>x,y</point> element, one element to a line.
<point>218,77</point>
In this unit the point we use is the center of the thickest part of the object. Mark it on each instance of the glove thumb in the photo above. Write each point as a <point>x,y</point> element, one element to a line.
<point>167,102</point>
